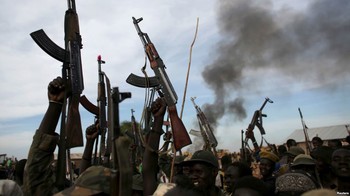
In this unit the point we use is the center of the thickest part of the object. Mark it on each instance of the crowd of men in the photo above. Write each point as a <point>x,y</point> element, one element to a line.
<point>289,170</point>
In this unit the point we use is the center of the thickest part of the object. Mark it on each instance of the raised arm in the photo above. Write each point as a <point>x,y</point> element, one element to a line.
<point>91,134</point>
<point>150,160</point>
<point>38,178</point>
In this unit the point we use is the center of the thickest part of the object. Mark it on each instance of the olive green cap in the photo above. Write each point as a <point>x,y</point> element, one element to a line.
<point>303,159</point>
<point>295,151</point>
<point>95,179</point>
<point>203,156</point>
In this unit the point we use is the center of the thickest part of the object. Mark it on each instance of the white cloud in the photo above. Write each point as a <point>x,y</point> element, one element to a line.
<point>107,29</point>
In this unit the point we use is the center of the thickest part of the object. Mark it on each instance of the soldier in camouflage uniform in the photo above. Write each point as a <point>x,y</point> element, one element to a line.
<point>38,175</point>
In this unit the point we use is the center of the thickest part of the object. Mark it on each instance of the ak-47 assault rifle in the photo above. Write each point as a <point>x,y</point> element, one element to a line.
<point>100,114</point>
<point>137,153</point>
<point>71,131</point>
<point>164,87</point>
<point>256,121</point>
<point>210,142</point>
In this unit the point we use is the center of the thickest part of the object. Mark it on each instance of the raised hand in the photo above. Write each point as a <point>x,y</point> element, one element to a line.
<point>55,90</point>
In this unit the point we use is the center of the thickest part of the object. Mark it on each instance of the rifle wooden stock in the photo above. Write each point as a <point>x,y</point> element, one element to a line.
<point>73,129</point>
<point>180,135</point>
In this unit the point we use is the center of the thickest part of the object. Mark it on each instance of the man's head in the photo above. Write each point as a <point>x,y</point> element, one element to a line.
<point>250,186</point>
<point>177,165</point>
<point>93,181</point>
<point>267,163</point>
<point>317,142</point>
<point>203,169</point>
<point>226,160</point>
<point>291,142</point>
<point>282,149</point>
<point>341,163</point>
<point>323,156</point>
<point>293,152</point>
<point>234,172</point>
<point>305,163</point>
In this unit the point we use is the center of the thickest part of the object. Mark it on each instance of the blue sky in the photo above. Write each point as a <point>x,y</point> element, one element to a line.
<point>295,53</point>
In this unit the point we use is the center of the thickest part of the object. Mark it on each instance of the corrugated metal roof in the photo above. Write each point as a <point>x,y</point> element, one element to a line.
<point>325,133</point>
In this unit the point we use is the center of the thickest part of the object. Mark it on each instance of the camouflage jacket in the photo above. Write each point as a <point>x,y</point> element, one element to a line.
<point>38,175</point>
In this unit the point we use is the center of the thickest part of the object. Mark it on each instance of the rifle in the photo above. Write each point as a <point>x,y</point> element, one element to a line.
<point>101,102</point>
<point>243,151</point>
<point>71,131</point>
<point>306,135</point>
<point>257,121</point>
<point>100,114</point>
<point>148,116</point>
<point>206,130</point>
<point>138,151</point>
<point>165,88</point>
<point>121,172</point>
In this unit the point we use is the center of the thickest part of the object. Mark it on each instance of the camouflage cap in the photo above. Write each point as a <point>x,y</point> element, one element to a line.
<point>295,151</point>
<point>269,155</point>
<point>203,156</point>
<point>303,159</point>
<point>95,179</point>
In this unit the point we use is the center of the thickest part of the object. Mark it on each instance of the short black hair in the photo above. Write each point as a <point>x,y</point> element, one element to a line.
<point>318,139</point>
<point>251,182</point>
<point>290,142</point>
<point>282,149</point>
<point>226,159</point>
<point>243,168</point>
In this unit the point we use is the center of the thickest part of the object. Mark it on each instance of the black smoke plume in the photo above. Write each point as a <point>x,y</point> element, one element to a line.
<point>307,45</point>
